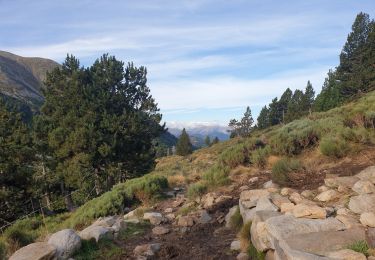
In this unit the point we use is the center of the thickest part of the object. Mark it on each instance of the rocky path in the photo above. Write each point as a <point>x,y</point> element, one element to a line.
<point>201,234</point>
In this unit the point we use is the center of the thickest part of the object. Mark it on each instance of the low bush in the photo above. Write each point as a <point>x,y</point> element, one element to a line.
<point>259,157</point>
<point>282,168</point>
<point>236,220</point>
<point>360,247</point>
<point>234,156</point>
<point>196,190</point>
<point>3,250</point>
<point>217,175</point>
<point>143,189</point>
<point>334,147</point>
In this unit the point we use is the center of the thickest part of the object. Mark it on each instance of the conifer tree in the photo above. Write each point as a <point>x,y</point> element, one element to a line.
<point>184,146</point>
<point>263,118</point>
<point>215,141</point>
<point>207,141</point>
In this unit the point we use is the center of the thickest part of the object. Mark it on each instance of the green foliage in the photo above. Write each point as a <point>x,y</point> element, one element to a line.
<point>360,247</point>
<point>234,156</point>
<point>259,156</point>
<point>242,127</point>
<point>334,147</point>
<point>3,250</point>
<point>144,188</point>
<point>105,249</point>
<point>184,146</point>
<point>236,220</point>
<point>133,230</point>
<point>254,253</point>
<point>196,189</point>
<point>216,176</point>
<point>282,168</point>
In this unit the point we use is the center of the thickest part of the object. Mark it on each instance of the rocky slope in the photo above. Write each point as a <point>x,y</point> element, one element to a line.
<point>22,77</point>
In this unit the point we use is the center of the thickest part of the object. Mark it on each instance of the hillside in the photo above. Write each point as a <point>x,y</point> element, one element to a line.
<point>22,78</point>
<point>306,168</point>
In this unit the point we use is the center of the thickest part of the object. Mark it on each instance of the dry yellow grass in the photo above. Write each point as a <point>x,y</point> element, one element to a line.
<point>176,180</point>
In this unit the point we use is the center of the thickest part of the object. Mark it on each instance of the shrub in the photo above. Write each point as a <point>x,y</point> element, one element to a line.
<point>334,147</point>
<point>3,251</point>
<point>282,168</point>
<point>234,156</point>
<point>236,220</point>
<point>360,247</point>
<point>254,253</point>
<point>259,157</point>
<point>196,190</point>
<point>144,188</point>
<point>217,175</point>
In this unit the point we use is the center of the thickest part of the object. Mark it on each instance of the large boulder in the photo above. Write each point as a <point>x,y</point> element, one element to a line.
<point>367,174</point>
<point>35,251</point>
<point>335,182</point>
<point>321,243</point>
<point>265,204</point>
<point>96,233</point>
<point>66,242</point>
<point>368,219</point>
<point>203,217</point>
<point>362,203</point>
<point>277,199</point>
<point>106,221</point>
<point>364,187</point>
<point>248,203</point>
<point>309,211</point>
<point>347,254</point>
<point>259,235</point>
<point>155,218</point>
<point>230,214</point>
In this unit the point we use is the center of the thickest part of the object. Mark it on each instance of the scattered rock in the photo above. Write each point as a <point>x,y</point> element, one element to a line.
<point>228,217</point>
<point>307,194</point>
<point>119,225</point>
<point>296,197</point>
<point>368,219</point>
<point>147,250</point>
<point>96,232</point>
<point>160,230</point>
<point>364,187</point>
<point>277,199</point>
<point>367,174</point>
<point>35,251</point>
<point>223,198</point>
<point>235,245</point>
<point>308,211</point>
<point>253,179</point>
<point>105,222</point>
<point>327,195</point>
<point>244,187</point>
<point>322,188</point>
<point>347,254</point>
<point>370,237</point>
<point>270,184</point>
<point>204,217</point>
<point>170,216</point>
<point>168,210</point>
<point>362,203</point>
<point>286,191</point>
<point>242,256</point>
<point>185,221</point>
<point>348,221</point>
<point>131,215</point>
<point>208,200</point>
<point>66,242</point>
<point>287,207</point>
<point>133,221</point>
<point>155,218</point>
<point>347,181</point>
<point>265,204</point>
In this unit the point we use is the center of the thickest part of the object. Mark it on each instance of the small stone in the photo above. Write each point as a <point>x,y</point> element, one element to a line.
<point>296,198</point>
<point>327,195</point>
<point>168,210</point>
<point>270,184</point>
<point>235,245</point>
<point>228,217</point>
<point>147,250</point>
<point>185,221</point>
<point>160,230</point>
<point>322,188</point>
<point>204,217</point>
<point>307,193</point>
<point>286,191</point>
<point>308,211</point>
<point>253,179</point>
<point>242,256</point>
<point>155,218</point>
<point>96,232</point>
<point>368,219</point>
<point>244,187</point>
<point>170,216</point>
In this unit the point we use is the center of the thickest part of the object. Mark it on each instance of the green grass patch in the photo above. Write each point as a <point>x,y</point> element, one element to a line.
<point>196,189</point>
<point>259,156</point>
<point>282,168</point>
<point>216,176</point>
<point>236,220</point>
<point>234,156</point>
<point>360,247</point>
<point>334,147</point>
<point>105,249</point>
<point>134,230</point>
<point>254,253</point>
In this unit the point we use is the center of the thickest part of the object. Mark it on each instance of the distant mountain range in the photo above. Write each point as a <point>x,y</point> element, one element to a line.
<point>199,130</point>
<point>22,78</point>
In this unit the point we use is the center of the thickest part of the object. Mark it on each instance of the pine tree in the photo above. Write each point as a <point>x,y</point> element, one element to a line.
<point>243,127</point>
<point>263,118</point>
<point>309,98</point>
<point>184,146</point>
<point>99,124</point>
<point>207,141</point>
<point>16,173</point>
<point>295,106</point>
<point>282,105</point>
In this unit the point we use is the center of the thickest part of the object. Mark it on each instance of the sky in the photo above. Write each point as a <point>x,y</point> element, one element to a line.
<point>206,59</point>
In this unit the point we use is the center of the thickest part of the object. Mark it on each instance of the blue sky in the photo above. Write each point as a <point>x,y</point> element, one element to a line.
<point>207,60</point>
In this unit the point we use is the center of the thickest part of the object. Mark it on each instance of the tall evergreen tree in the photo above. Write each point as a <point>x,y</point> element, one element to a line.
<point>296,106</point>
<point>207,141</point>
<point>100,123</point>
<point>263,120</point>
<point>184,146</point>
<point>330,96</point>
<point>242,127</point>
<point>16,173</point>
<point>309,98</point>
